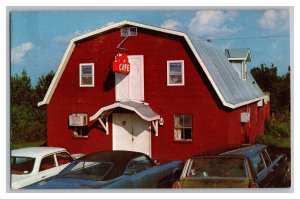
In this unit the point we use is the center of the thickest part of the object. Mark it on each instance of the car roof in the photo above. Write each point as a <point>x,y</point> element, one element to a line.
<point>35,151</point>
<point>119,158</point>
<point>246,151</point>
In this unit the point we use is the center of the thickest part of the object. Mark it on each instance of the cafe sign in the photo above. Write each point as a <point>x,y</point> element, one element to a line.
<point>121,64</point>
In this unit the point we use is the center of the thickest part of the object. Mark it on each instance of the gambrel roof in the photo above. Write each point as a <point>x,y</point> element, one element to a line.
<point>231,90</point>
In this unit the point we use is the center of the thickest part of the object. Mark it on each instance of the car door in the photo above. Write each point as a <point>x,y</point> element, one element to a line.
<point>47,168</point>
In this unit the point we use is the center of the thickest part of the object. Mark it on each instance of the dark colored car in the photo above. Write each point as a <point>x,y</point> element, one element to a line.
<point>114,169</point>
<point>247,167</point>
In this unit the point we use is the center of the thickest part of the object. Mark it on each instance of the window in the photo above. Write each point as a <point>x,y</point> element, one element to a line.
<point>80,132</point>
<point>258,163</point>
<point>89,170</point>
<point>22,165</point>
<point>63,158</point>
<point>137,165</point>
<point>86,75</point>
<point>175,73</point>
<point>183,127</point>
<point>128,31</point>
<point>47,163</point>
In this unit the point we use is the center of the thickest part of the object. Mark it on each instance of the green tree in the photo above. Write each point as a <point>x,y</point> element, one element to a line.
<point>269,81</point>
<point>21,90</point>
<point>28,122</point>
<point>43,85</point>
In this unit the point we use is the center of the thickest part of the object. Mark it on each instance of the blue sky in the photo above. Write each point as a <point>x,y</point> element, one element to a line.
<point>40,38</point>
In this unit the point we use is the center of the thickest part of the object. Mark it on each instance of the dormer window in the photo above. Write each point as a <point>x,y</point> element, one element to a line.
<point>238,57</point>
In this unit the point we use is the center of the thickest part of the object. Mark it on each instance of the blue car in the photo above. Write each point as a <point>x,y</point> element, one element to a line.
<point>114,169</point>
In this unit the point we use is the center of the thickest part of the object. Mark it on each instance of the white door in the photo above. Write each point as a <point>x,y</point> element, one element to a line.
<point>131,86</point>
<point>132,133</point>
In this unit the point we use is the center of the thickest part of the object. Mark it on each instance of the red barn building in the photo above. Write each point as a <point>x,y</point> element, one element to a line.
<point>131,86</point>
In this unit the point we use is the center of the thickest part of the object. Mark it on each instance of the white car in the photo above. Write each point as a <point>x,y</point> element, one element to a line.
<point>33,164</point>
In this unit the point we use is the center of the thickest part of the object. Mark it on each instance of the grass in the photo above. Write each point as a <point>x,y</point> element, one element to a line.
<point>23,145</point>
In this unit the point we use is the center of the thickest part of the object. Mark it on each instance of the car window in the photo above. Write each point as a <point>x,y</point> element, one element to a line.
<point>47,163</point>
<point>87,170</point>
<point>63,158</point>
<point>217,167</point>
<point>22,165</point>
<point>258,163</point>
<point>137,165</point>
<point>266,158</point>
<point>272,153</point>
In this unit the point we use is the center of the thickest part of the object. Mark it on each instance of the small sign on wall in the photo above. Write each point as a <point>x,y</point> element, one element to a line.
<point>121,63</point>
<point>245,117</point>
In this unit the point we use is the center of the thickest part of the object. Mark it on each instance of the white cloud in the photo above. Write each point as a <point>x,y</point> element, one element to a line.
<point>275,20</point>
<point>67,38</point>
<point>110,23</point>
<point>212,23</point>
<point>171,24</point>
<point>19,52</point>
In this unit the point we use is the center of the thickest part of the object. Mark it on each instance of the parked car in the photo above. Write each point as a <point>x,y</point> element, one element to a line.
<point>114,169</point>
<point>247,167</point>
<point>33,164</point>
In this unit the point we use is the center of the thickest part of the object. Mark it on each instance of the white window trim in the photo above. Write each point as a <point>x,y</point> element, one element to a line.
<point>168,72</point>
<point>244,71</point>
<point>93,75</point>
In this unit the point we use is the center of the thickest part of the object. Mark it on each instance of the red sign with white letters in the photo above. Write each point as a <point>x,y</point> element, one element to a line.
<point>121,64</point>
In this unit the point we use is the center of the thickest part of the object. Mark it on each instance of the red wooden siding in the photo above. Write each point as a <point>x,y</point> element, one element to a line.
<point>214,126</point>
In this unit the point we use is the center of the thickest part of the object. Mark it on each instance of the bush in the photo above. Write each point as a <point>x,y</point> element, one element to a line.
<point>273,141</point>
<point>278,129</point>
<point>27,124</point>
<point>277,132</point>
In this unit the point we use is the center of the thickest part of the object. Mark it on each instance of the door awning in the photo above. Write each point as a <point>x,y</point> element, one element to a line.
<point>140,108</point>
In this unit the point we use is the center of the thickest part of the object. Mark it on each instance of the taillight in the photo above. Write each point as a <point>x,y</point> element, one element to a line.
<point>253,185</point>
<point>176,185</point>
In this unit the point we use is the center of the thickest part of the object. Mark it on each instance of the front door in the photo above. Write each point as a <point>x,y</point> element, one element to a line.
<point>132,133</point>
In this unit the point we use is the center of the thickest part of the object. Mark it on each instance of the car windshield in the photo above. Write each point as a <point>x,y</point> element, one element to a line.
<point>21,165</point>
<point>87,170</point>
<point>217,167</point>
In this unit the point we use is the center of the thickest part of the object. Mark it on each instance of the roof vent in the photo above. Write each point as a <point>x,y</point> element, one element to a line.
<point>129,31</point>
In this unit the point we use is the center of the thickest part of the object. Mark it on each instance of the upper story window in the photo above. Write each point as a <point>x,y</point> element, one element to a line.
<point>175,73</point>
<point>128,31</point>
<point>183,127</point>
<point>86,75</point>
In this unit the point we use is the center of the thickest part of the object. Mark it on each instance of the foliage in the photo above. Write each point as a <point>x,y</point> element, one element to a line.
<point>28,122</point>
<point>274,141</point>
<point>27,144</point>
<point>278,86</point>
<point>278,130</point>
<point>21,90</point>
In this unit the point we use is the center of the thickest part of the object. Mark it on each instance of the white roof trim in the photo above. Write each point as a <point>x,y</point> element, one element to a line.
<point>117,104</point>
<point>70,48</point>
<point>242,58</point>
